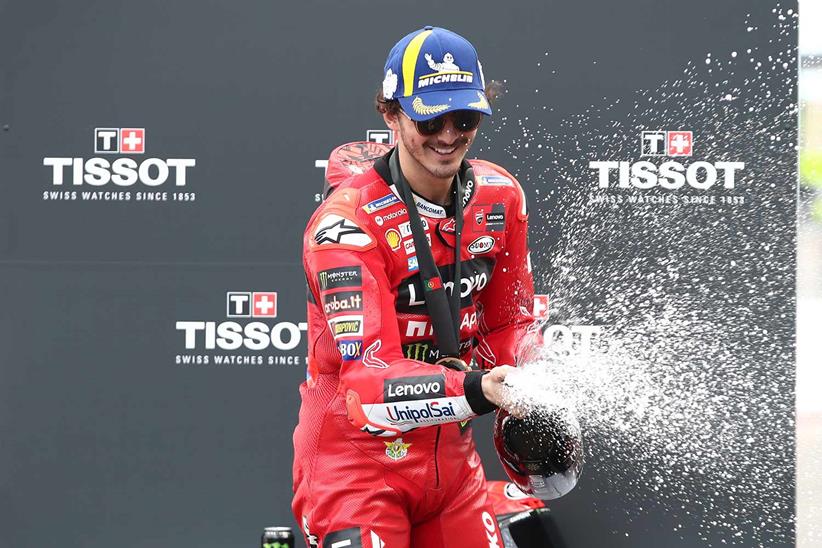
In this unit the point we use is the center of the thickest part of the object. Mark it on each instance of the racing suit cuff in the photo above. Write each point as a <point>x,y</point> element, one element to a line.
<point>472,385</point>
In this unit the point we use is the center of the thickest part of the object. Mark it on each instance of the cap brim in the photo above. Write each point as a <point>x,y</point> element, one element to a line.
<point>424,106</point>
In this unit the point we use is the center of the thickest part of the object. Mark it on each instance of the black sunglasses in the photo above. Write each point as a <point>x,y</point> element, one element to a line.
<point>463,120</point>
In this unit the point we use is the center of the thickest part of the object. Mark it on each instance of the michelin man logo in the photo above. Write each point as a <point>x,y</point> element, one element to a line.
<point>389,85</point>
<point>446,65</point>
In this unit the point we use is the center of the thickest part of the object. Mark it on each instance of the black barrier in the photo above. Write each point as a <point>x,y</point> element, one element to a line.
<point>159,161</point>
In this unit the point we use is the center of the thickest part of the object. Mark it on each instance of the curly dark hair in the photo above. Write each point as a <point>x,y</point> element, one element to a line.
<point>493,90</point>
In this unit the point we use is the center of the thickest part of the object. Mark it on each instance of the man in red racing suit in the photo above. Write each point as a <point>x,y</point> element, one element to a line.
<point>383,451</point>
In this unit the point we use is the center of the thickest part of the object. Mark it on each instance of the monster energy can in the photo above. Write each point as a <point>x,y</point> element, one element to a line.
<point>278,537</point>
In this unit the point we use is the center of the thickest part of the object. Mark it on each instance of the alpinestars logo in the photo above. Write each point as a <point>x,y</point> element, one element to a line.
<point>120,173</point>
<point>334,229</point>
<point>670,174</point>
<point>249,338</point>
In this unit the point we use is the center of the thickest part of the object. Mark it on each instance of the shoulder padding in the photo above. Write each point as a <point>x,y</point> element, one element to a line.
<point>336,225</point>
<point>488,171</point>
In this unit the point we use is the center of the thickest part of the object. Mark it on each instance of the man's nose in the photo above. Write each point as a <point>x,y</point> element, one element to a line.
<point>449,130</point>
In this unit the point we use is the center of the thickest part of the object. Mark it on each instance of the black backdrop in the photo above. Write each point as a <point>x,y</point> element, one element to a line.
<point>108,437</point>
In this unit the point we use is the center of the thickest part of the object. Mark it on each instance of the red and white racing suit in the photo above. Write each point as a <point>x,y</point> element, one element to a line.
<point>383,450</point>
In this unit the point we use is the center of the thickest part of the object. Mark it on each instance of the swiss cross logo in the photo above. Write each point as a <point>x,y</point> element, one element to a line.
<point>264,304</point>
<point>680,143</point>
<point>541,307</point>
<point>113,140</point>
<point>667,143</point>
<point>132,140</point>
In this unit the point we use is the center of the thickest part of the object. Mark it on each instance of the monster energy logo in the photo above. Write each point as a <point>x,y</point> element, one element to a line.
<point>346,276</point>
<point>276,545</point>
<point>417,351</point>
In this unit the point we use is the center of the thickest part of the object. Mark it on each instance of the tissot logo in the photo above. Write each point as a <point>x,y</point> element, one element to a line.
<point>670,143</point>
<point>670,174</point>
<point>251,304</point>
<point>127,140</point>
<point>123,172</point>
<point>252,335</point>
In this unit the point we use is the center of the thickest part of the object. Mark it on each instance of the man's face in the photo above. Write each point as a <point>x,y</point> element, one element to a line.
<point>440,154</point>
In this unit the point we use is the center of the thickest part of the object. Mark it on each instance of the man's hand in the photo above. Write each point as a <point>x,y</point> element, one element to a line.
<point>499,393</point>
<point>493,387</point>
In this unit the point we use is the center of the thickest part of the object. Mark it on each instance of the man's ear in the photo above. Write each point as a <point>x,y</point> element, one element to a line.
<point>392,121</point>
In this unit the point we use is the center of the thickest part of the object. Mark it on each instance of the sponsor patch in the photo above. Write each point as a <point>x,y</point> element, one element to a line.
<point>413,264</point>
<point>421,412</point>
<point>409,247</point>
<point>393,238</point>
<point>334,229</point>
<point>396,450</point>
<point>346,326</point>
<point>342,301</point>
<point>380,203</point>
<point>488,218</point>
<point>475,274</point>
<point>350,349</point>
<point>370,359</point>
<point>495,221</point>
<point>495,180</point>
<point>481,245</point>
<point>344,276</point>
<point>424,387</point>
<point>432,284</point>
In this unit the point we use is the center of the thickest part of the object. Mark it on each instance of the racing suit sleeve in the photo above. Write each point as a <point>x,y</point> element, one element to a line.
<point>355,325</point>
<point>507,330</point>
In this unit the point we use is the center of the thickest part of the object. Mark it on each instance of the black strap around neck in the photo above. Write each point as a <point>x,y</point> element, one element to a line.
<point>444,312</point>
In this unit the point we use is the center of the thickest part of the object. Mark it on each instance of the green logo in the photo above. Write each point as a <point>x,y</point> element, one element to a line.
<point>416,351</point>
<point>275,545</point>
<point>396,449</point>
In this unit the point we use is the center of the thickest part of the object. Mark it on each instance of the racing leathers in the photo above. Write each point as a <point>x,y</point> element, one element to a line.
<point>383,451</point>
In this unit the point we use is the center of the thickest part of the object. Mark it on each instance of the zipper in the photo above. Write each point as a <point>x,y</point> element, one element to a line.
<point>436,457</point>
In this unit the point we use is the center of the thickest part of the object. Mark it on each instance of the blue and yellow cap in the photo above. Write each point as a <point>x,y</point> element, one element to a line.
<point>432,71</point>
